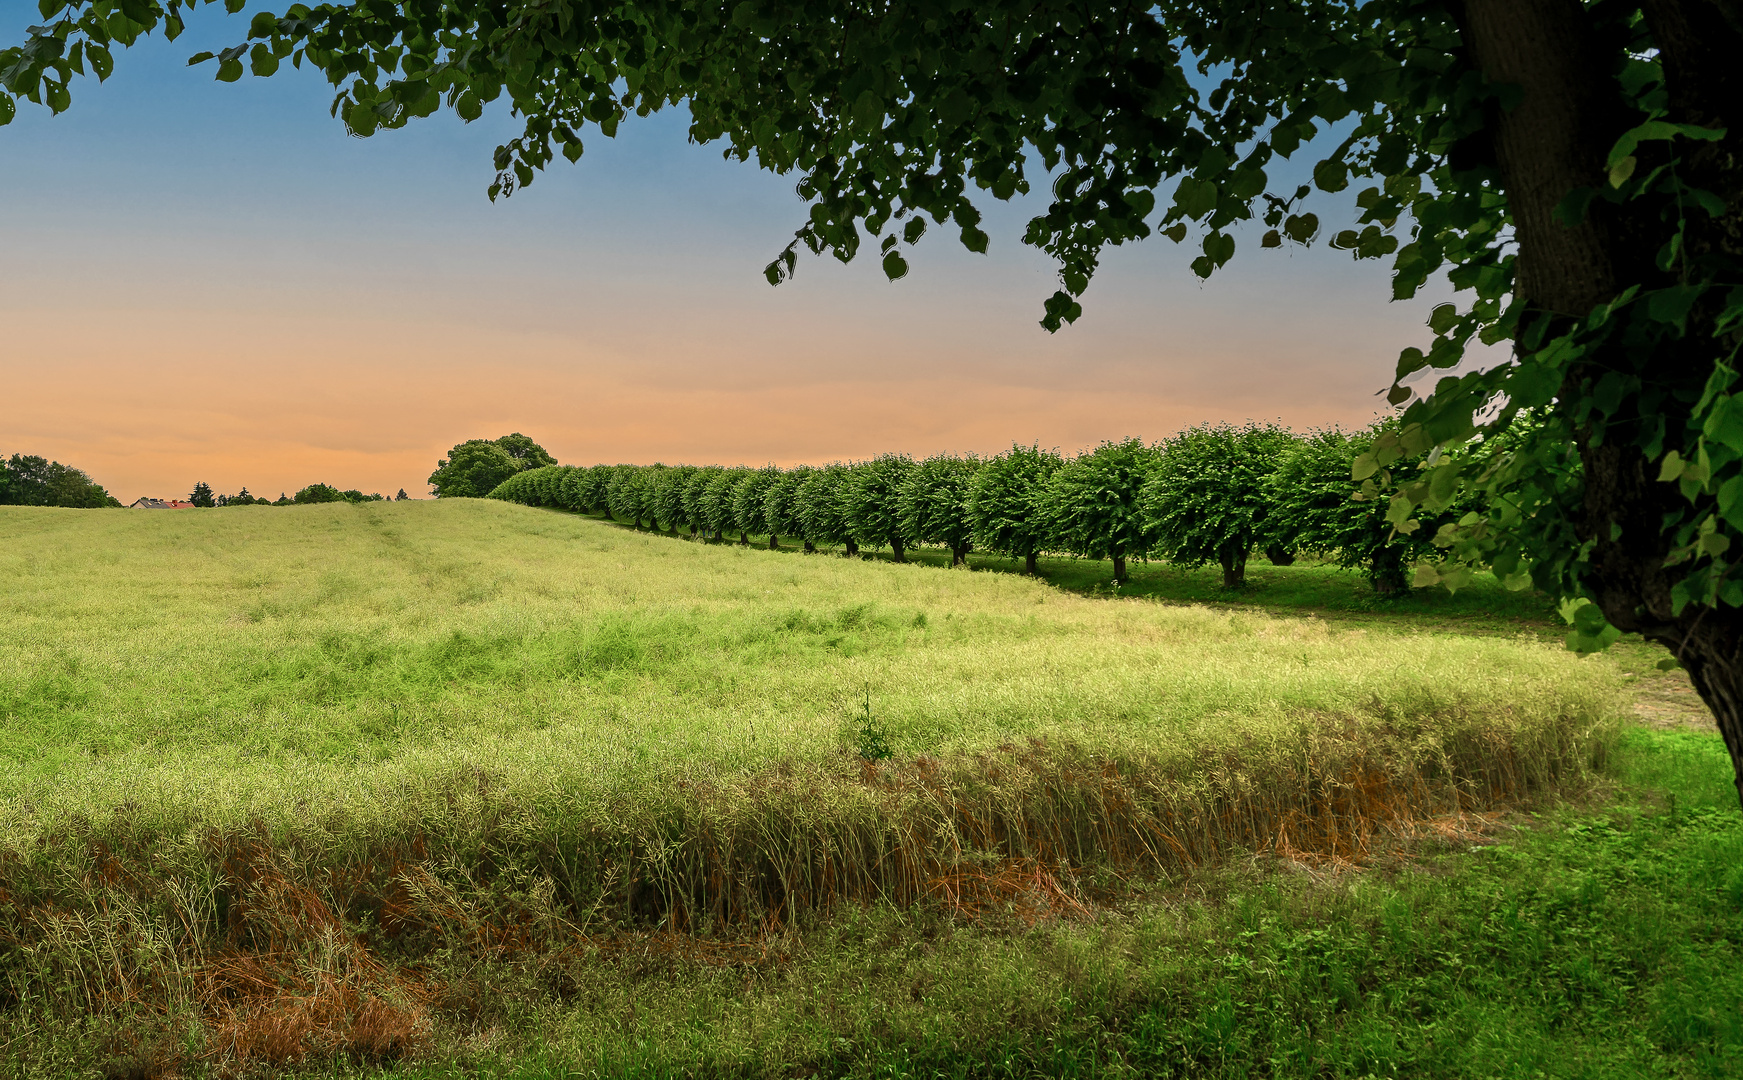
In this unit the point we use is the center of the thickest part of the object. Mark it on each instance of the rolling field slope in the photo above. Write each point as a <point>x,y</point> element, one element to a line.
<point>262,763</point>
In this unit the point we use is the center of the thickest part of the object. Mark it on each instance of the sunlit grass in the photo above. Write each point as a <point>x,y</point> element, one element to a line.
<point>230,664</point>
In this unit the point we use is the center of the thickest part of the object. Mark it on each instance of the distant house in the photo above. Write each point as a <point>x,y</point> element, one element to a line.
<point>159,504</point>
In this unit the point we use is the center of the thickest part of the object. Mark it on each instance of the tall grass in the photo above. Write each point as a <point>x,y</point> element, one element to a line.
<point>293,734</point>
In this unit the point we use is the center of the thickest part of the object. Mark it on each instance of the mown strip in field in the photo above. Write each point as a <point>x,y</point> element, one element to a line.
<point>321,745</point>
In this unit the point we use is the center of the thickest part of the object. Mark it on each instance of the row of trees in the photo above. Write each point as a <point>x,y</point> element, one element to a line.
<point>1213,494</point>
<point>28,480</point>
<point>204,496</point>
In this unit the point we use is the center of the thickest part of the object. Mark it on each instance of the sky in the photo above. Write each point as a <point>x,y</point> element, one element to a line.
<point>214,282</point>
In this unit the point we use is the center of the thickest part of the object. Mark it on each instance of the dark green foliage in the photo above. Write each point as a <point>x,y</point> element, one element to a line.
<point>472,470</point>
<point>695,495</point>
<point>715,504</point>
<point>1093,508</point>
<point>933,503</point>
<point>1207,499</point>
<point>202,495</point>
<point>28,480</point>
<point>819,505</point>
<point>668,498</point>
<point>319,493</point>
<point>526,453</point>
<point>748,513</point>
<point>869,502</point>
<point>401,497</point>
<point>535,487</point>
<point>781,505</point>
<point>1004,503</point>
<point>628,495</point>
<point>1315,507</point>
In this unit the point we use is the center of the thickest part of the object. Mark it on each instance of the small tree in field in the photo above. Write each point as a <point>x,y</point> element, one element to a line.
<point>869,499</point>
<point>747,504</point>
<point>819,507</point>
<point>1093,504</point>
<point>1318,507</point>
<point>624,495</point>
<point>933,504</point>
<point>1004,503</point>
<point>716,501</point>
<point>781,505</point>
<point>202,495</point>
<point>472,470</point>
<point>668,500</point>
<point>401,497</point>
<point>319,493</point>
<point>1208,496</point>
<point>696,495</point>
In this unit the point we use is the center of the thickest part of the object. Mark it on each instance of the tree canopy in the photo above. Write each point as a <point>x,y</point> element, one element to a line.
<point>1574,169</point>
<point>475,467</point>
<point>29,480</point>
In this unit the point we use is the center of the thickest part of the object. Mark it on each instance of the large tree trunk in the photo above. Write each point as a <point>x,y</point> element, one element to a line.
<point>1279,555</point>
<point>1029,566</point>
<point>810,548</point>
<point>851,549</point>
<point>1119,569</point>
<point>774,541</point>
<point>1557,139</point>
<point>898,552</point>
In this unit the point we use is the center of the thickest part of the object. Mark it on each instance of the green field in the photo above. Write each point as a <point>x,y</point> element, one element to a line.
<point>348,764</point>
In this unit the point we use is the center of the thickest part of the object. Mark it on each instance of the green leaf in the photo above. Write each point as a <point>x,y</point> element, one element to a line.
<point>1671,468</point>
<point>261,61</point>
<point>1724,424</point>
<point>1271,240</point>
<point>1175,232</point>
<point>1672,305</point>
<point>1622,170</point>
<point>868,112</point>
<point>8,108</point>
<point>895,267</point>
<point>1443,318</point>
<point>1589,619</point>
<point>469,107</point>
<point>1331,175</point>
<point>229,70</point>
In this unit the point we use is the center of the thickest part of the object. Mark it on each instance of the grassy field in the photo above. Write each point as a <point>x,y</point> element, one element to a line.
<point>384,779</point>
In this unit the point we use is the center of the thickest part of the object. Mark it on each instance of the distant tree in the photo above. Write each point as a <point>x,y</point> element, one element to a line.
<point>402,496</point>
<point>36,481</point>
<point>283,500</point>
<point>781,505</point>
<point>202,495</point>
<point>1004,503</point>
<point>1093,504</point>
<point>623,494</point>
<point>1314,500</point>
<point>933,503</point>
<point>1207,499</point>
<point>748,499</point>
<point>696,494</point>
<point>716,502</point>
<point>526,453</point>
<point>472,470</point>
<point>319,493</point>
<point>668,498</point>
<point>241,498</point>
<point>819,507</point>
<point>869,502</point>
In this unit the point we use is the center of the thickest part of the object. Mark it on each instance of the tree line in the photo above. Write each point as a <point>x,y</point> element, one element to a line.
<point>29,480</point>
<point>1212,494</point>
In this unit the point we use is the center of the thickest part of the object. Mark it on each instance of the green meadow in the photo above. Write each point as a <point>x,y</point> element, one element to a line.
<point>464,784</point>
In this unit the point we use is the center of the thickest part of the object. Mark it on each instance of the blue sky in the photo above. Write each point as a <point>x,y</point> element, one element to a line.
<point>211,281</point>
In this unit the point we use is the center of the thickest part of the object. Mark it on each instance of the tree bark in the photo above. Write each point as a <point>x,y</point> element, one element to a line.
<point>851,549</point>
<point>1119,569</point>
<point>1279,556</point>
<point>810,548</point>
<point>1558,138</point>
<point>743,539</point>
<point>1029,564</point>
<point>1234,564</point>
<point>774,541</point>
<point>898,552</point>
